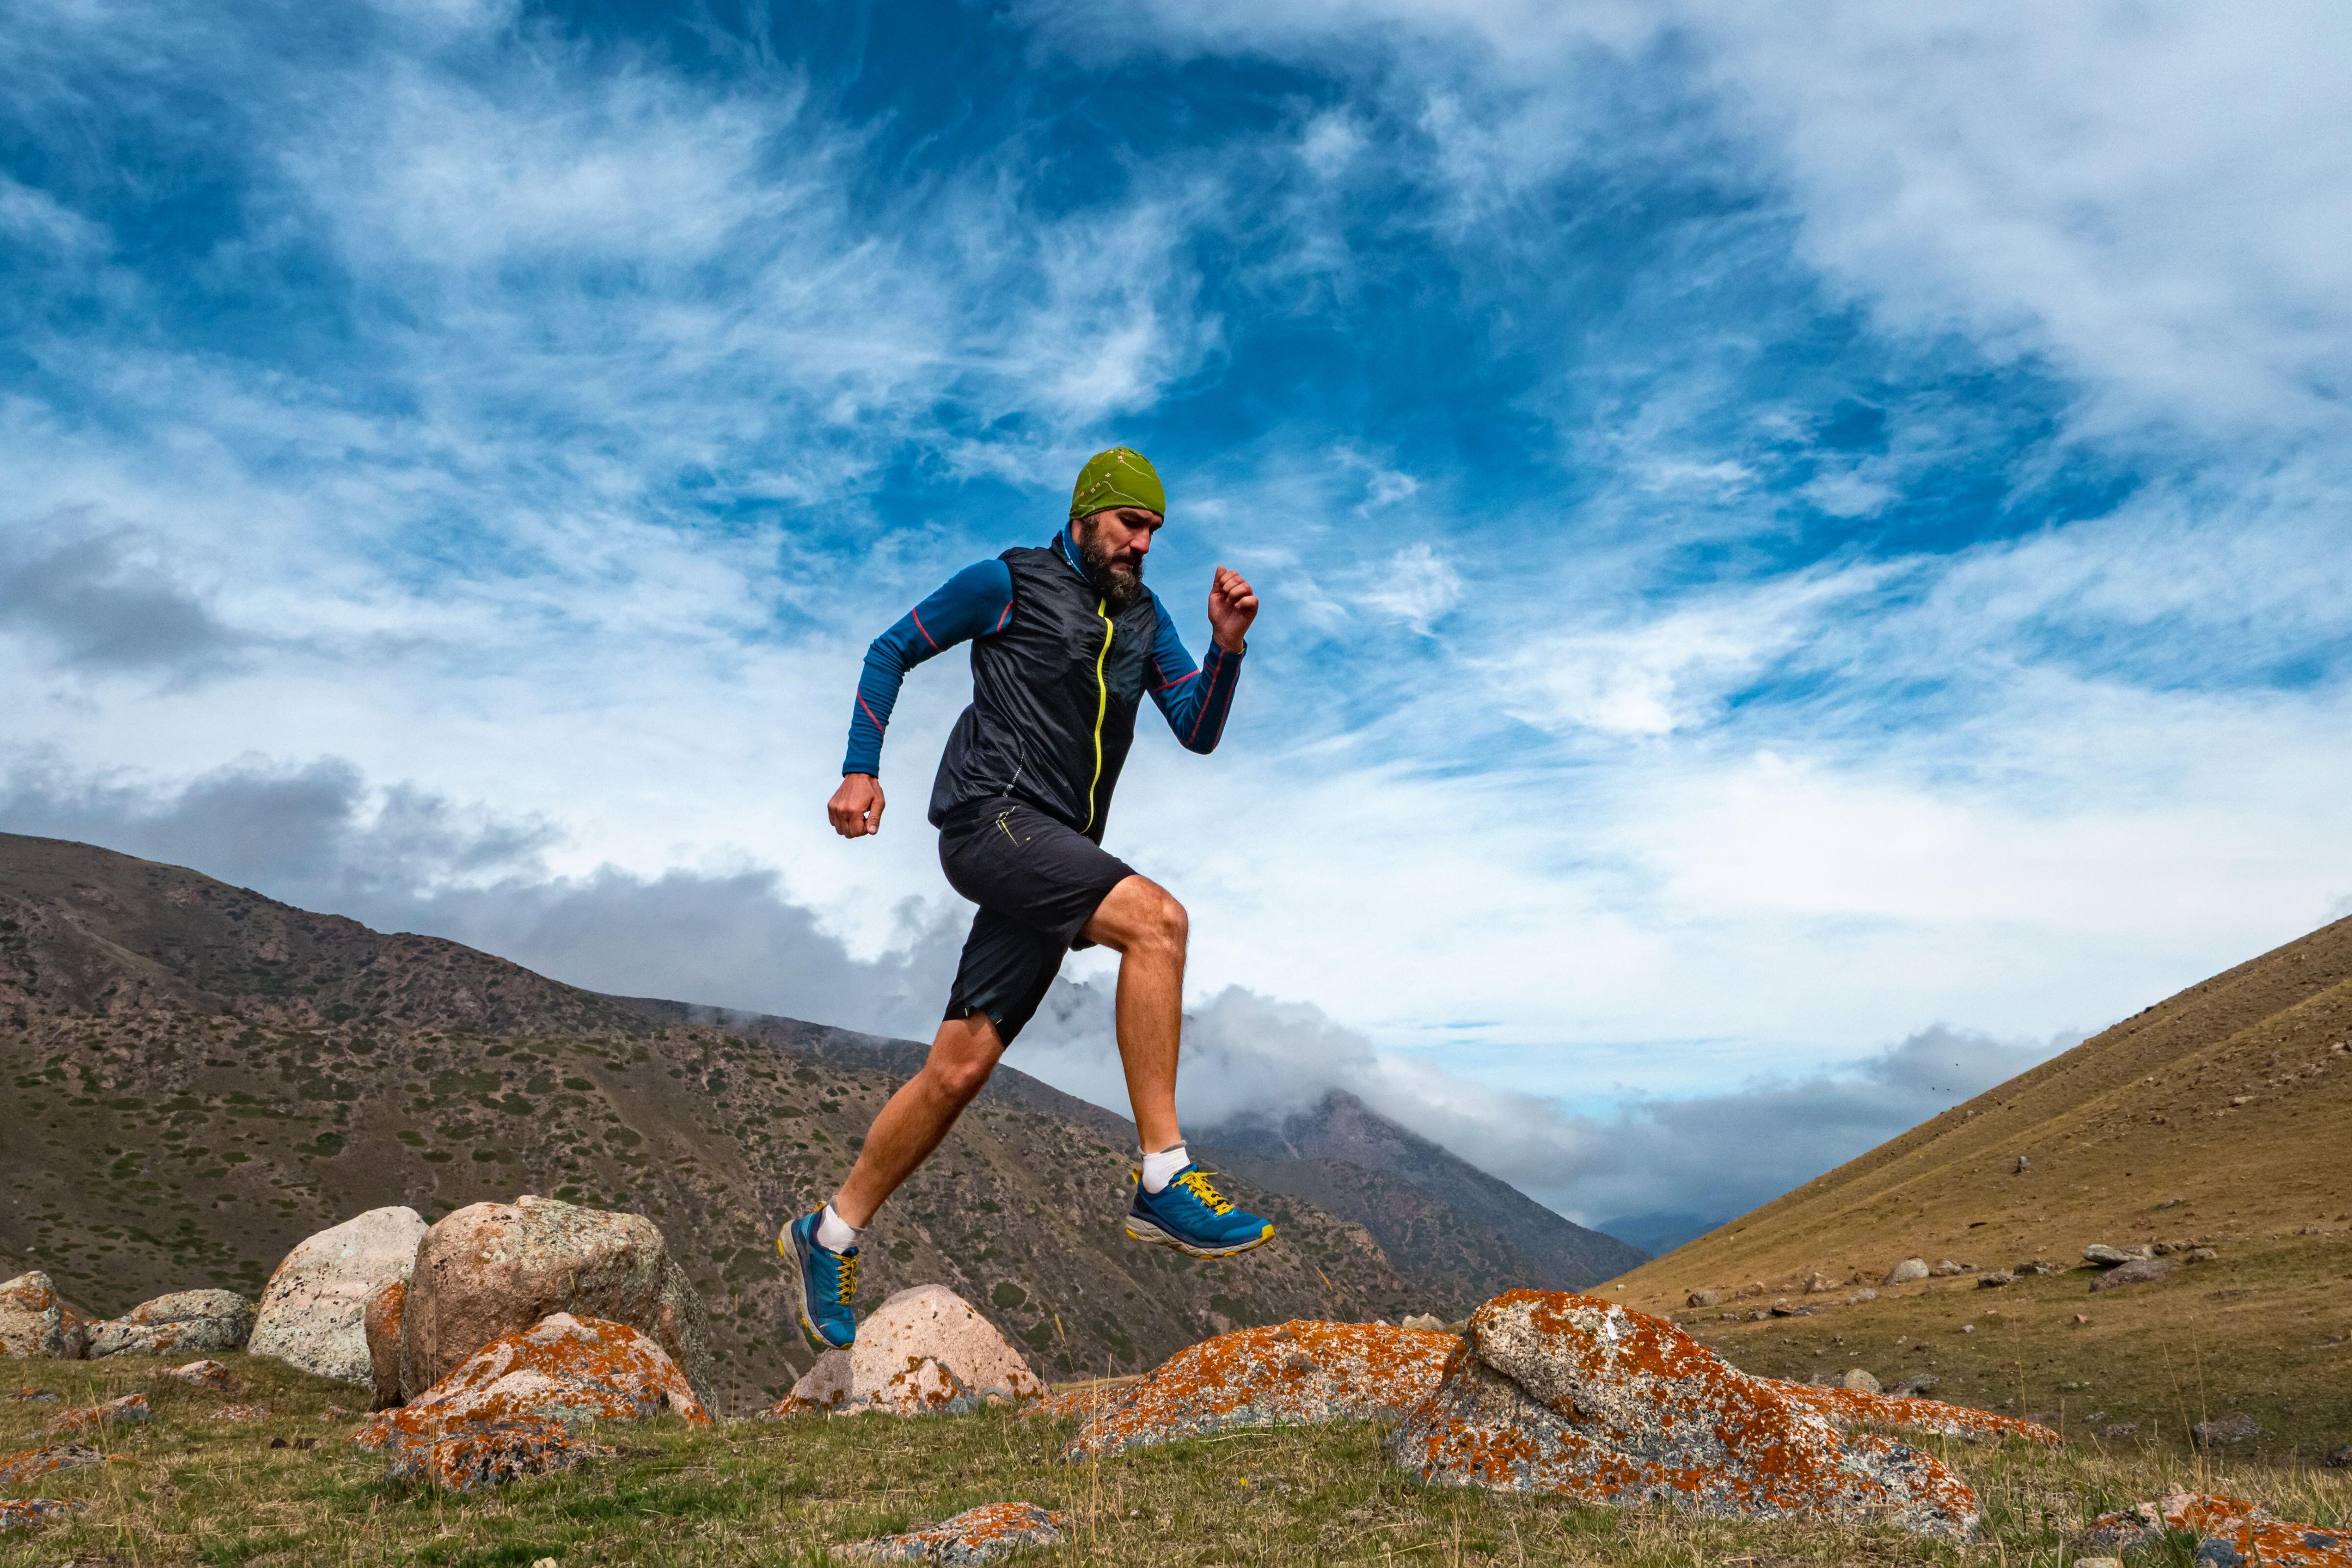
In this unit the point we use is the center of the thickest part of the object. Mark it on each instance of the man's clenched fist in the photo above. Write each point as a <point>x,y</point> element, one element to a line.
<point>1233,605</point>
<point>856,806</point>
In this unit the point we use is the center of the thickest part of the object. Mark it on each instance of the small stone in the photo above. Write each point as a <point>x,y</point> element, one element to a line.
<point>207,1373</point>
<point>2023,1165</point>
<point>1864,1294</point>
<point>1902,1273</point>
<point>118,1411</point>
<point>40,1395</point>
<point>1968,1328</point>
<point>977,1535</point>
<point>2199,1255</point>
<point>2224,1430</point>
<point>1427,1321</point>
<point>1860,1380</point>
<point>22,1514</point>
<point>19,1471</point>
<point>1948,1269</point>
<point>2139,1271</point>
<point>1991,1281</point>
<point>2084,1562</point>
<point>1704,1298</point>
<point>241,1412</point>
<point>1818,1283</point>
<point>2099,1255</point>
<point>2339,1460</point>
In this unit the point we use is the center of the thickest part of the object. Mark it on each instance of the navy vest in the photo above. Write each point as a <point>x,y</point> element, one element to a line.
<point>1053,698</point>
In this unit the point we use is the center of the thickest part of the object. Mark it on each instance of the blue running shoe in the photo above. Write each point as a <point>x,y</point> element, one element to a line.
<point>828,1282</point>
<point>1191,1216</point>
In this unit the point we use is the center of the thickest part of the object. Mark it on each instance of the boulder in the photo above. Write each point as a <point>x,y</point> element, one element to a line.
<point>508,1409</point>
<point>2098,1255</point>
<point>183,1321</point>
<point>1860,1380</point>
<point>1298,1374</point>
<point>1705,1297</point>
<point>2139,1271</point>
<point>380,1323</point>
<point>313,1311</point>
<point>207,1373</point>
<point>1423,1320</point>
<point>118,1411</point>
<point>824,1386</point>
<point>926,1350</point>
<point>493,1269</point>
<point>34,1321</point>
<point>2231,1533</point>
<point>22,1470</point>
<point>1853,1408</point>
<point>977,1535</point>
<point>2223,1430</point>
<point>1902,1273</point>
<point>1577,1397</point>
<point>22,1514</point>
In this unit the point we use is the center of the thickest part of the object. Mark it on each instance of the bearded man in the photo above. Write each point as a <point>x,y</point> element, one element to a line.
<point>1064,641</point>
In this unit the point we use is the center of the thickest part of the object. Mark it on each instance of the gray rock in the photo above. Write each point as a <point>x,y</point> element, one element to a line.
<point>2023,1165</point>
<point>1423,1320</point>
<point>2339,1460</point>
<point>313,1311</point>
<point>1991,1281</point>
<point>1948,1269</point>
<point>1704,1298</point>
<point>977,1535</point>
<point>2139,1271</point>
<point>1902,1273</point>
<point>2101,1256</point>
<point>34,1321</point>
<point>2222,1430</point>
<point>1859,1380</point>
<point>2218,1554</point>
<point>1917,1384</point>
<point>201,1320</point>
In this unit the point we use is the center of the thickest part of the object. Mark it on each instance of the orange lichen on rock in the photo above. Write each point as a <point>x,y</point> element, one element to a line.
<point>1853,1408</point>
<point>21,1513</point>
<point>504,1409</point>
<point>2231,1533</point>
<point>119,1412</point>
<point>1578,1398</point>
<point>31,1465</point>
<point>1296,1374</point>
<point>977,1535</point>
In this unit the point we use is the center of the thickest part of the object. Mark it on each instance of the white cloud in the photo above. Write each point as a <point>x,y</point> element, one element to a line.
<point>1417,586</point>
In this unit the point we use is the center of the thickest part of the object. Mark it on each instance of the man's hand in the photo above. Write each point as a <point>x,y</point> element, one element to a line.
<point>856,806</point>
<point>1233,605</point>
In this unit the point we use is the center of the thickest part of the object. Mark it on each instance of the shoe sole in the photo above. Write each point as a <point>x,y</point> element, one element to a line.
<point>791,1254</point>
<point>1152,1234</point>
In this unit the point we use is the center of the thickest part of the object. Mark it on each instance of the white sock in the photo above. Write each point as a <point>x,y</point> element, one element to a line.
<point>836,1234</point>
<point>1161,1169</point>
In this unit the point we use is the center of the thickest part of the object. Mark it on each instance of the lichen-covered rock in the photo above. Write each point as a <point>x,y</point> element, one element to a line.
<point>1902,1273</point>
<point>204,1321</point>
<point>22,1470</point>
<point>1578,1398</point>
<point>313,1311</point>
<point>2233,1532</point>
<point>207,1373</point>
<point>34,1321</point>
<point>565,1369</point>
<point>118,1411</point>
<point>1297,1373</point>
<point>2137,1271</point>
<point>824,1386</point>
<point>478,1457</point>
<point>22,1514</point>
<point>380,1322</point>
<point>494,1269</point>
<point>977,1535</point>
<point>926,1350</point>
<point>1858,1407</point>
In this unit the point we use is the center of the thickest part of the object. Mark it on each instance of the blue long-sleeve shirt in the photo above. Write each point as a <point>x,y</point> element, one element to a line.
<point>977,602</point>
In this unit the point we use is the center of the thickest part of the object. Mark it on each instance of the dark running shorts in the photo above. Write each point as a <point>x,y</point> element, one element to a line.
<point>1037,884</point>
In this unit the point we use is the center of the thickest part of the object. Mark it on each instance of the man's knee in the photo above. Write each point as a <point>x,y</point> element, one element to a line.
<point>1169,926</point>
<point>961,1076</point>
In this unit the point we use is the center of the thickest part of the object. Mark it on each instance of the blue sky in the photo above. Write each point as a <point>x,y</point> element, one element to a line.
<point>1791,546</point>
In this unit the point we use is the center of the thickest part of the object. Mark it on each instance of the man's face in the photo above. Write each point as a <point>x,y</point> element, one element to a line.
<point>1111,546</point>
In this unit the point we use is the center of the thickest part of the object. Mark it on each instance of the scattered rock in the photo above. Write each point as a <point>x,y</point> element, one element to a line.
<point>2023,1165</point>
<point>2033,1267</point>
<point>241,1412</point>
<point>977,1535</point>
<point>926,1350</point>
<point>491,1270</point>
<point>1859,1297</point>
<point>824,1386</point>
<point>1860,1380</point>
<point>42,1395</point>
<point>506,1410</point>
<point>1704,1298</point>
<point>2199,1255</point>
<point>1817,1283</point>
<point>119,1412</point>
<point>22,1514</point>
<point>1853,1408</point>
<point>2225,1429</point>
<point>34,1321</point>
<point>206,1373</point>
<point>1783,1309</point>
<point>2101,1256</point>
<point>2231,1533</point>
<point>380,1324</point>
<point>1298,1374</point>
<point>313,1311</point>
<point>2117,1431</point>
<point>1916,1384</point>
<point>2139,1271</point>
<point>1902,1273</point>
<point>1429,1321</point>
<point>183,1321</point>
<point>1948,1269</point>
<point>2339,1460</point>
<point>1992,1282</point>
<point>24,1468</point>
<point>1573,1396</point>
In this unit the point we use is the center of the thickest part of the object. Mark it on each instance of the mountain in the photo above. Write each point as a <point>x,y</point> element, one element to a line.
<point>200,1076</point>
<point>1469,1235</point>
<point>2220,1117</point>
<point>1660,1231</point>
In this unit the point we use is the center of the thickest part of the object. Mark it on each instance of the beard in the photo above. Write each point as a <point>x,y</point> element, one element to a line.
<point>1119,579</point>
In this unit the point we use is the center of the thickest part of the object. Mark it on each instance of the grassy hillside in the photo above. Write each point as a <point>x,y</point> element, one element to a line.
<point>2223,1116</point>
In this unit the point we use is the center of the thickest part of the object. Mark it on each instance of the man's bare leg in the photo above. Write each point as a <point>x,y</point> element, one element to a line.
<point>1147,928</point>
<point>963,1053</point>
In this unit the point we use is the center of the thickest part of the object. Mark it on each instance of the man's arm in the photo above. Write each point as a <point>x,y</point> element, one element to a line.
<point>1194,698</point>
<point>973,603</point>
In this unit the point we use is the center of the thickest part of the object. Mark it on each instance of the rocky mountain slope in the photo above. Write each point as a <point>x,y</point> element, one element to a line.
<point>2220,1117</point>
<point>200,1076</point>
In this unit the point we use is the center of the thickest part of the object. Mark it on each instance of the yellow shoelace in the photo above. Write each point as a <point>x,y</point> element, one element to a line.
<point>1197,1183</point>
<point>847,1277</point>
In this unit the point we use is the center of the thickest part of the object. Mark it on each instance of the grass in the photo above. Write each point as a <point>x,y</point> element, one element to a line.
<point>193,1490</point>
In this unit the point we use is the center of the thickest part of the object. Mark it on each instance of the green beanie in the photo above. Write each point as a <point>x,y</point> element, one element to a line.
<point>1120,476</point>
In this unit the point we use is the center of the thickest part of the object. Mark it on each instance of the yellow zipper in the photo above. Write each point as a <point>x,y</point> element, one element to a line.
<point>1102,706</point>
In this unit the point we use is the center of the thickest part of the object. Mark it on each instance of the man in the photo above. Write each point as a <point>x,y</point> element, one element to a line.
<point>1065,640</point>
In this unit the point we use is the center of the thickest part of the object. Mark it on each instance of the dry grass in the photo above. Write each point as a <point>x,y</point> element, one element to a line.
<point>192,1489</point>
